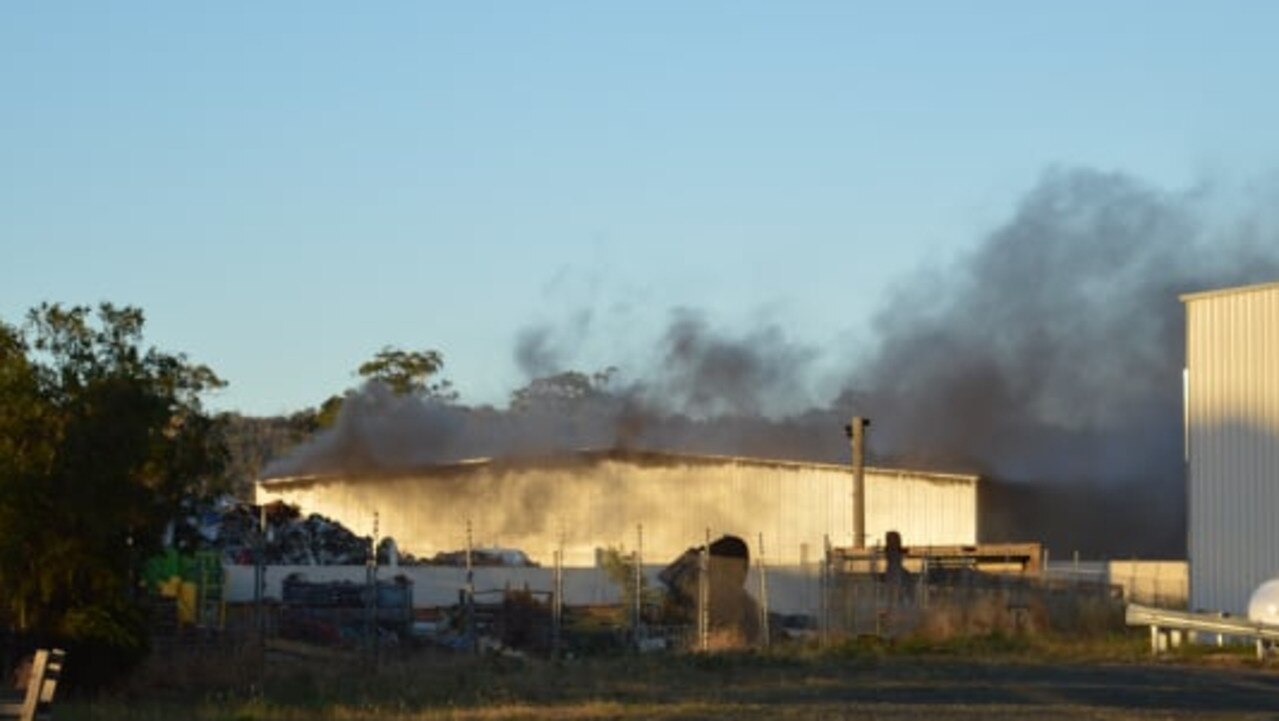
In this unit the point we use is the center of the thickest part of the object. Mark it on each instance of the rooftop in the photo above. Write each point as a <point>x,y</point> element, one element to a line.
<point>593,456</point>
<point>1237,290</point>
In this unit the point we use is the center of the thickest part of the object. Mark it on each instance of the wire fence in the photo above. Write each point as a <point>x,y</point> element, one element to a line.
<point>721,593</point>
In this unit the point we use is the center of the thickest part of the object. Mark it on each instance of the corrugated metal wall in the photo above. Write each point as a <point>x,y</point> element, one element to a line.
<point>601,503</point>
<point>1232,419</point>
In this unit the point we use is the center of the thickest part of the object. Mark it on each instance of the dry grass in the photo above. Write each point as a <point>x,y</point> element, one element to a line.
<point>994,676</point>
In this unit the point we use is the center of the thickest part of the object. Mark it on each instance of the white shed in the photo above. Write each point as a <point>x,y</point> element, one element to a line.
<point>583,501</point>
<point>1232,443</point>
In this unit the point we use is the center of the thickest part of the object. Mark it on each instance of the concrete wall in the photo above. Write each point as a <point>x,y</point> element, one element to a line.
<point>587,501</point>
<point>1232,443</point>
<point>1154,583</point>
<point>791,589</point>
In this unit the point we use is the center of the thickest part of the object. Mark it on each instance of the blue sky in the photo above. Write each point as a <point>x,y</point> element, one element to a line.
<point>286,187</point>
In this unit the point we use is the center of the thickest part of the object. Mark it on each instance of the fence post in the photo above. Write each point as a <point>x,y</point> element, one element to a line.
<point>557,599</point>
<point>638,610</point>
<point>704,596</point>
<point>468,597</point>
<point>825,593</point>
<point>763,595</point>
<point>371,605</point>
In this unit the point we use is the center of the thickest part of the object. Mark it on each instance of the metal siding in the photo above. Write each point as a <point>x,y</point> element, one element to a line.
<point>601,505</point>
<point>1232,396</point>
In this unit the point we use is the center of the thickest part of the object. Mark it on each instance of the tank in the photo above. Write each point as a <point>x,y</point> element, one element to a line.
<point>1263,607</point>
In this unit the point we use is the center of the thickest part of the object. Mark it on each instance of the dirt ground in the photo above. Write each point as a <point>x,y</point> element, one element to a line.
<point>966,690</point>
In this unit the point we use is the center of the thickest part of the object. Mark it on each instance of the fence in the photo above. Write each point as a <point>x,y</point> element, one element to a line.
<point>945,603</point>
<point>938,592</point>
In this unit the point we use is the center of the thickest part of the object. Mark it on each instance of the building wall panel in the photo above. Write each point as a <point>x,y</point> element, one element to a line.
<point>601,502</point>
<point>1232,438</point>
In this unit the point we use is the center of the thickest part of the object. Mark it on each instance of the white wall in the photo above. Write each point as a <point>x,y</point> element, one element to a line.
<point>791,590</point>
<point>1154,583</point>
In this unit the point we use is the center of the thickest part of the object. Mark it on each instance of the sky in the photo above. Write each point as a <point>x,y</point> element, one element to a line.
<point>285,188</point>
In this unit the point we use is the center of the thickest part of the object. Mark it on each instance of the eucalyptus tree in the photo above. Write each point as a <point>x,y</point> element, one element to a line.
<point>101,440</point>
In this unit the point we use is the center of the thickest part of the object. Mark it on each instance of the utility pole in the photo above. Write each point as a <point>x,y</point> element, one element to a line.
<point>856,432</point>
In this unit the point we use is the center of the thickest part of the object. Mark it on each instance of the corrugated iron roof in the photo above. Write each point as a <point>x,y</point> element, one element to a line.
<point>584,456</point>
<point>1202,294</point>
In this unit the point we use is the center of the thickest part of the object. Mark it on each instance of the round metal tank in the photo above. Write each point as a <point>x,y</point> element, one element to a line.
<point>1263,607</point>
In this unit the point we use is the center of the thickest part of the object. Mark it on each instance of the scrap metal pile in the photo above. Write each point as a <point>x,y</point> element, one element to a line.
<point>234,529</point>
<point>483,557</point>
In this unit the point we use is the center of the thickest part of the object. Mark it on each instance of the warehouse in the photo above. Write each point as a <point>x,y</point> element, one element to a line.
<point>1232,443</point>
<point>580,502</point>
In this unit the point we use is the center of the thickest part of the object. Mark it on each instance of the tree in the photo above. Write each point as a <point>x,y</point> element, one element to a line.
<point>563,391</point>
<point>403,372</point>
<point>252,442</point>
<point>408,372</point>
<point>100,441</point>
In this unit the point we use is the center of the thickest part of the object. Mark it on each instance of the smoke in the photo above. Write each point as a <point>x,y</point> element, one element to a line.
<point>1047,358</point>
<point>543,349</point>
<point>707,374</point>
<point>705,391</point>
<point>1050,358</point>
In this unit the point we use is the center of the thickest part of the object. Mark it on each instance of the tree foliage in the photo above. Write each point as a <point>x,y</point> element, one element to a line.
<point>563,391</point>
<point>252,442</point>
<point>100,441</point>
<point>403,372</point>
<point>408,372</point>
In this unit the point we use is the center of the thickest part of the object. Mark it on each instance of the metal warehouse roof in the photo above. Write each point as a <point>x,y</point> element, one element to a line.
<point>1202,294</point>
<point>640,457</point>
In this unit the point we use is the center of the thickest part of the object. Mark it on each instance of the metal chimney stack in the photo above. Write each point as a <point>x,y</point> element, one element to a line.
<point>857,436</point>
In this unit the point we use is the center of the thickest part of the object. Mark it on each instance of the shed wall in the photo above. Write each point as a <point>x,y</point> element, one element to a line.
<point>1232,444</point>
<point>602,503</point>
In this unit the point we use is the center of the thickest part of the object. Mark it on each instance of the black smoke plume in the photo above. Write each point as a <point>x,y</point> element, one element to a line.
<point>1051,358</point>
<point>1048,359</point>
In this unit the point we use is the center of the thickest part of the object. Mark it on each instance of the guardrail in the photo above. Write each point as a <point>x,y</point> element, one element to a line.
<point>1167,628</point>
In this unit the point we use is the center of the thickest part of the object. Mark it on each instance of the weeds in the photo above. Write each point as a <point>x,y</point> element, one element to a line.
<point>239,683</point>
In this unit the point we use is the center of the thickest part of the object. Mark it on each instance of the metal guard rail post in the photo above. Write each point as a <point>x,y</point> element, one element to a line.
<point>1167,627</point>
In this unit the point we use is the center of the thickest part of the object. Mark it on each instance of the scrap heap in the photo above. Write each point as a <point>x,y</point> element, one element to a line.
<point>234,529</point>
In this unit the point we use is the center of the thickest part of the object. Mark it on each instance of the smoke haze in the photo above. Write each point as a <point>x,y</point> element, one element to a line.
<point>1051,359</point>
<point>1048,358</point>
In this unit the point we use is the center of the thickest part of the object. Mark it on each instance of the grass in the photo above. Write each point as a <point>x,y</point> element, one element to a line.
<point>795,681</point>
